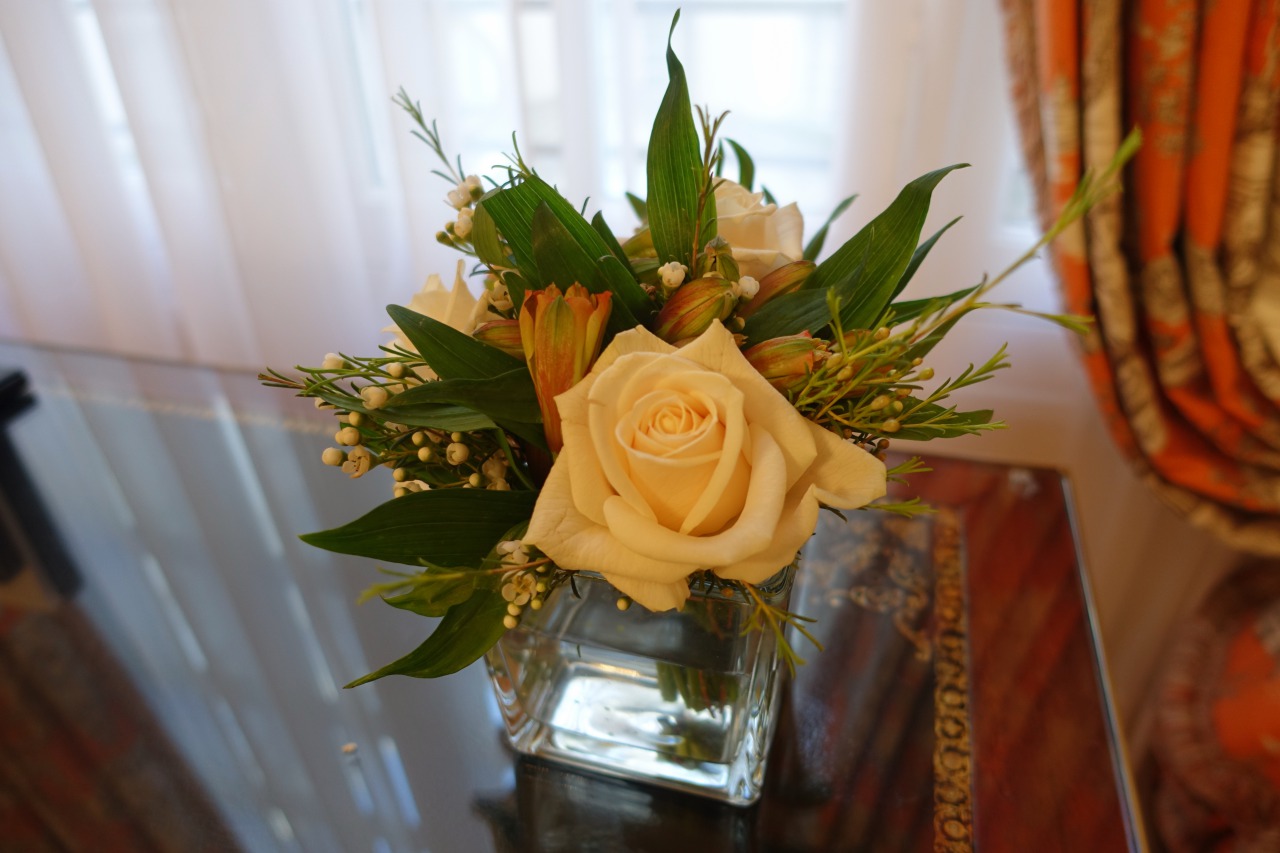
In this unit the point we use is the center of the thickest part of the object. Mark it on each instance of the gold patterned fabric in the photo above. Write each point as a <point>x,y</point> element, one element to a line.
<point>1182,271</point>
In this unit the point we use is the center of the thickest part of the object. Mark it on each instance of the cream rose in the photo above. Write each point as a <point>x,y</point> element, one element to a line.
<point>764,236</point>
<point>454,306</point>
<point>680,460</point>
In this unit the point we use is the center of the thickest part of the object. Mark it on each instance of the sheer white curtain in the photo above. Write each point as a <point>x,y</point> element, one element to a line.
<point>228,183</point>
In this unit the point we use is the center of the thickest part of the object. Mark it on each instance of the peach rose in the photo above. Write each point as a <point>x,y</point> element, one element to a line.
<point>454,306</point>
<point>764,237</point>
<point>681,460</point>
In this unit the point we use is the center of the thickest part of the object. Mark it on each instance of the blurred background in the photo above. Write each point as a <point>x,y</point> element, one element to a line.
<point>229,184</point>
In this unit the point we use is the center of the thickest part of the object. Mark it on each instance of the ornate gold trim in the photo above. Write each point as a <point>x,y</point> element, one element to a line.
<point>952,758</point>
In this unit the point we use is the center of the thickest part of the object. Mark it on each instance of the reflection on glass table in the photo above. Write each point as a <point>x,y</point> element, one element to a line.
<point>958,705</point>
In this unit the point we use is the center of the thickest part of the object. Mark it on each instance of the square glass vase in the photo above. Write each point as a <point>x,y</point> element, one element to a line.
<point>684,699</point>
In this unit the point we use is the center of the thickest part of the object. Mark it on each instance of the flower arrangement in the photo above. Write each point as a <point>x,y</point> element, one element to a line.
<point>677,405</point>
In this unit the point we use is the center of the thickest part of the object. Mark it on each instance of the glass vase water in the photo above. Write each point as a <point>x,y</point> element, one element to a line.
<point>684,699</point>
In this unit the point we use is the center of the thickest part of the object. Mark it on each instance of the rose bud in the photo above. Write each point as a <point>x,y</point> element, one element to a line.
<point>503,335</point>
<point>787,362</point>
<point>785,279</point>
<point>693,307</point>
<point>561,337</point>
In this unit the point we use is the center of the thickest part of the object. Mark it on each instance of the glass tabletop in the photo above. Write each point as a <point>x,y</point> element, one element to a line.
<point>164,504</point>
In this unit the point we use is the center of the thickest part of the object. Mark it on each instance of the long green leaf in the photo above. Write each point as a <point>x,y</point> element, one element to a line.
<point>445,416</point>
<point>484,237</point>
<point>508,396</point>
<point>789,314</point>
<point>910,309</point>
<point>466,632</point>
<point>883,249</point>
<point>513,210</point>
<point>675,171</point>
<point>950,423</point>
<point>746,166</point>
<point>606,233</point>
<point>639,207</point>
<point>918,256</point>
<point>435,590</point>
<point>819,239</point>
<point>446,527</point>
<point>801,311</point>
<point>561,261</point>
<point>451,354</point>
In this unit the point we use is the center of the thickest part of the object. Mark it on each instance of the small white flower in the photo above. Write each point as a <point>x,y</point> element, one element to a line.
<point>358,463</point>
<point>457,453</point>
<point>500,297</point>
<point>462,227</point>
<point>347,436</point>
<point>499,486</point>
<point>465,192</point>
<point>333,456</point>
<point>513,552</point>
<point>494,469</point>
<point>333,361</point>
<point>518,587</point>
<point>747,287</point>
<point>673,274</point>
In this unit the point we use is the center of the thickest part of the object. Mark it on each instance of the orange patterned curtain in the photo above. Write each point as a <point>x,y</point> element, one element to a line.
<point>1182,271</point>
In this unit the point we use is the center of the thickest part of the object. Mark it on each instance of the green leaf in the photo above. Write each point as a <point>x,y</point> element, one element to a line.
<point>513,210</point>
<point>435,590</point>
<point>947,422</point>
<point>768,196</point>
<point>606,233</point>
<point>466,632</point>
<point>640,207</point>
<point>918,256</point>
<point>883,249</point>
<point>444,416</point>
<point>508,396</point>
<point>789,314</point>
<point>561,260</point>
<point>484,237</point>
<point>623,315</point>
<point>800,311</point>
<point>746,166</point>
<point>908,310</point>
<point>451,354</point>
<point>922,347</point>
<point>445,526</point>
<point>675,171</point>
<point>819,239</point>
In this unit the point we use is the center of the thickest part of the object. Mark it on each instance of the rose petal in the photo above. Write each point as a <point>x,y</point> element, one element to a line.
<point>748,535</point>
<point>574,542</point>
<point>799,517</point>
<point>762,404</point>
<point>846,476</point>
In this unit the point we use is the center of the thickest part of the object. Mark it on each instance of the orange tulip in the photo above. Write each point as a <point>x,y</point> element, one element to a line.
<point>561,335</point>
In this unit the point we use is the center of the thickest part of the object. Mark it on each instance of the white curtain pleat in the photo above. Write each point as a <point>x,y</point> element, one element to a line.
<point>271,126</point>
<point>156,94</point>
<point>86,239</point>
